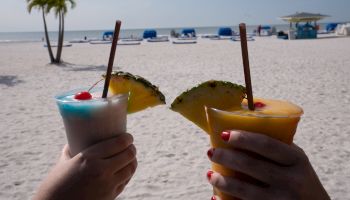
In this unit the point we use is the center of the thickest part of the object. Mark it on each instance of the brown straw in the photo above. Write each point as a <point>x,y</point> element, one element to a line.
<point>245,56</point>
<point>111,57</point>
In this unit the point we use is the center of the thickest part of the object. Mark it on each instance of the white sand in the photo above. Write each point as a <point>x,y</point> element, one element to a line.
<point>172,151</point>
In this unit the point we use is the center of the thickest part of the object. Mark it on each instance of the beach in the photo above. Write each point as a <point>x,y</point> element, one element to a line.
<point>171,150</point>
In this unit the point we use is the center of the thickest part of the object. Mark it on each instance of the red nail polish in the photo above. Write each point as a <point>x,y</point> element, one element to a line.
<point>259,105</point>
<point>209,173</point>
<point>213,198</point>
<point>225,135</point>
<point>210,152</point>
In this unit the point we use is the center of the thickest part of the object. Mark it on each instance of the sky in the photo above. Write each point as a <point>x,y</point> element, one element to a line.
<point>101,14</point>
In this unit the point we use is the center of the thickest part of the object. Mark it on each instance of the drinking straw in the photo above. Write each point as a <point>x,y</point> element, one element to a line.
<point>245,56</point>
<point>111,58</point>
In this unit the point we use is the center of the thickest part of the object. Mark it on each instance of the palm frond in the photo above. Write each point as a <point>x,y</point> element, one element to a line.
<point>38,4</point>
<point>32,4</point>
<point>73,4</point>
<point>58,6</point>
<point>50,4</point>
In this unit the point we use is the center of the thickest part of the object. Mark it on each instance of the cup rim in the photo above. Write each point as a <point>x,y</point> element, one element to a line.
<point>259,115</point>
<point>72,92</point>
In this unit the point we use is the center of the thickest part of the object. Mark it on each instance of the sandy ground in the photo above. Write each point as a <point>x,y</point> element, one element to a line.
<point>171,151</point>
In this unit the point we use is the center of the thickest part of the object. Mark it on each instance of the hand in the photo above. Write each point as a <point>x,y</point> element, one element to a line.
<point>286,172</point>
<point>99,172</point>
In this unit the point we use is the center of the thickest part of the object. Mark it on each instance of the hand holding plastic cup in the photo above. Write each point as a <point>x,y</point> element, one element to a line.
<point>90,121</point>
<point>276,119</point>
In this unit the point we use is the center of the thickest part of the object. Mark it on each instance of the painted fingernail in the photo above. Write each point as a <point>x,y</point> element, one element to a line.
<point>259,105</point>
<point>225,135</point>
<point>213,198</point>
<point>210,152</point>
<point>209,174</point>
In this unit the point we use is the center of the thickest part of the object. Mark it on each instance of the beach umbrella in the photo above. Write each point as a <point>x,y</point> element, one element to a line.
<point>108,35</point>
<point>225,31</point>
<point>331,26</point>
<point>265,27</point>
<point>189,31</point>
<point>149,33</point>
<point>303,17</point>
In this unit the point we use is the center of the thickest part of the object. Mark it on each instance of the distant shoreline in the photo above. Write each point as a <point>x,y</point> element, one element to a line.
<point>162,28</point>
<point>37,36</point>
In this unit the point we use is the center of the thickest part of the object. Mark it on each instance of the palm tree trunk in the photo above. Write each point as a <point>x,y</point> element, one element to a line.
<point>52,59</point>
<point>58,59</point>
<point>61,36</point>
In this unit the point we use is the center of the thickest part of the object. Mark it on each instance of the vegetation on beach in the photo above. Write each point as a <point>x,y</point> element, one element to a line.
<point>60,8</point>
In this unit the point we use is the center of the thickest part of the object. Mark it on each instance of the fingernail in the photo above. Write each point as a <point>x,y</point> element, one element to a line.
<point>210,152</point>
<point>213,198</point>
<point>225,135</point>
<point>209,174</point>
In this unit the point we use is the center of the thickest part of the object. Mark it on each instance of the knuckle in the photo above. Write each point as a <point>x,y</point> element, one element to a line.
<point>298,156</point>
<point>133,167</point>
<point>130,170</point>
<point>81,158</point>
<point>136,163</point>
<point>125,140</point>
<point>239,138</point>
<point>124,143</point>
<point>85,161</point>
<point>93,168</point>
<point>133,148</point>
<point>131,137</point>
<point>301,156</point>
<point>216,182</point>
<point>130,152</point>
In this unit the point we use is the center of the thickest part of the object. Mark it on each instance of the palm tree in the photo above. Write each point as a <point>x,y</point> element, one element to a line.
<point>41,5</point>
<point>61,8</point>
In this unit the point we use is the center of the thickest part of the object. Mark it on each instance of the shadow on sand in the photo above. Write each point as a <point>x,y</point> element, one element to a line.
<point>77,67</point>
<point>10,81</point>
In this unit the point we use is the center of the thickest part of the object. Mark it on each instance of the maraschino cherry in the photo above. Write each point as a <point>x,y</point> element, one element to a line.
<point>259,105</point>
<point>84,95</point>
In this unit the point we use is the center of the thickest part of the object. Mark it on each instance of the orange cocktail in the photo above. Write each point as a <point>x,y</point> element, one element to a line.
<point>274,118</point>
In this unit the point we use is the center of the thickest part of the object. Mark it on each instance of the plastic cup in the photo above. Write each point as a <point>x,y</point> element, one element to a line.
<point>280,127</point>
<point>90,121</point>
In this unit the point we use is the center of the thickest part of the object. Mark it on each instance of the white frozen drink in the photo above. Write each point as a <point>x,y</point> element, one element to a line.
<point>91,120</point>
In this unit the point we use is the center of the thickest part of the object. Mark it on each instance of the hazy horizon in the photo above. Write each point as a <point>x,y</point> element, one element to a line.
<point>101,15</point>
<point>179,27</point>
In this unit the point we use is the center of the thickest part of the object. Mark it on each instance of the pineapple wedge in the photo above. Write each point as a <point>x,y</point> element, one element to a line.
<point>215,94</point>
<point>142,94</point>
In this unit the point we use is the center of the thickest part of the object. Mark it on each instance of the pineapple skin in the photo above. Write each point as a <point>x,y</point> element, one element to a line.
<point>216,94</point>
<point>142,93</point>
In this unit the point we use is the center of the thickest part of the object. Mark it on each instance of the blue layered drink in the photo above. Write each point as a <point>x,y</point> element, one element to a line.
<point>91,120</point>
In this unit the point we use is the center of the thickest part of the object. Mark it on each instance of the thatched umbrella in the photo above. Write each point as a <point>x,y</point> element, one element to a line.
<point>303,17</point>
